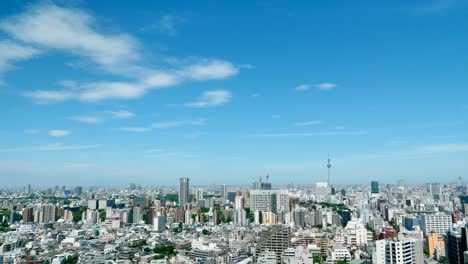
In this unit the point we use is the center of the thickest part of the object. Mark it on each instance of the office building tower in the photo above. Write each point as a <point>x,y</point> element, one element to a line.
<point>78,190</point>
<point>93,204</point>
<point>199,194</point>
<point>374,187</point>
<point>438,222</point>
<point>136,215</point>
<point>456,244</point>
<point>346,216</point>
<point>231,196</point>
<point>183,191</point>
<point>159,223</point>
<point>411,222</point>
<point>224,192</point>
<point>27,189</point>
<point>277,238</point>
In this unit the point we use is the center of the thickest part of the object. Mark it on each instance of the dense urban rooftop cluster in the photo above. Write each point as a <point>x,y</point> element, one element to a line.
<point>259,223</point>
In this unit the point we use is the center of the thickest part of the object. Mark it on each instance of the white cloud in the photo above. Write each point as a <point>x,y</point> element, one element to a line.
<point>13,52</point>
<point>31,131</point>
<point>99,91</point>
<point>60,147</point>
<point>308,123</point>
<point>311,134</point>
<point>154,150</point>
<point>49,96</point>
<point>211,98</point>
<point>165,125</point>
<point>50,147</point>
<point>303,87</point>
<point>121,114</point>
<point>136,129</point>
<point>325,86</point>
<point>319,86</point>
<point>194,122</point>
<point>74,31</point>
<point>166,25</point>
<point>59,133</point>
<point>209,70</point>
<point>86,119</point>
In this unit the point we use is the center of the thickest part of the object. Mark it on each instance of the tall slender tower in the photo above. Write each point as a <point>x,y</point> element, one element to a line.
<point>329,172</point>
<point>183,191</point>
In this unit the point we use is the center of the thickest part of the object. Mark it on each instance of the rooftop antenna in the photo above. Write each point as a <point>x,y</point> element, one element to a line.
<point>267,177</point>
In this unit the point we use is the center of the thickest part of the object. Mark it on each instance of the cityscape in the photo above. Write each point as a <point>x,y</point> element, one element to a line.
<point>252,223</point>
<point>233,132</point>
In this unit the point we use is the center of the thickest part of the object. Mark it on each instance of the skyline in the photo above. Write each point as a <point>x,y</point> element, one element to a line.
<point>152,93</point>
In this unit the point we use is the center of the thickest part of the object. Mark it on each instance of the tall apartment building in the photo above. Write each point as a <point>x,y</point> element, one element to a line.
<point>438,222</point>
<point>28,215</point>
<point>435,243</point>
<point>276,238</point>
<point>47,214</point>
<point>398,251</point>
<point>269,201</point>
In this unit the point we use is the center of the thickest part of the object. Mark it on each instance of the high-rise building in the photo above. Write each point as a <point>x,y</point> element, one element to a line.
<point>374,187</point>
<point>239,202</point>
<point>346,216</point>
<point>224,192</point>
<point>78,190</point>
<point>398,251</point>
<point>435,243</point>
<point>159,223</point>
<point>27,189</point>
<point>456,244</point>
<point>199,194</point>
<point>136,215</point>
<point>28,215</point>
<point>47,214</point>
<point>277,239</point>
<point>231,196</point>
<point>269,201</point>
<point>183,191</point>
<point>438,222</point>
<point>299,216</point>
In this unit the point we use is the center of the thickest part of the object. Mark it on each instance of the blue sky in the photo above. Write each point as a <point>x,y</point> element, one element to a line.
<point>93,93</point>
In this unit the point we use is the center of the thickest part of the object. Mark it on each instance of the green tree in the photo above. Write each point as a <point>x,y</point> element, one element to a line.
<point>77,216</point>
<point>102,215</point>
